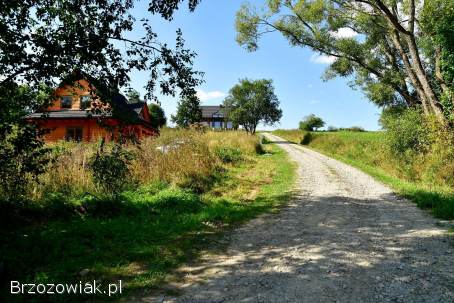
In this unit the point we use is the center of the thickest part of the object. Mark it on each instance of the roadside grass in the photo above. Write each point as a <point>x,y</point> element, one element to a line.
<point>364,150</point>
<point>148,234</point>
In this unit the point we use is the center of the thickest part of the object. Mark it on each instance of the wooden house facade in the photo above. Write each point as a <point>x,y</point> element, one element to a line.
<point>72,116</point>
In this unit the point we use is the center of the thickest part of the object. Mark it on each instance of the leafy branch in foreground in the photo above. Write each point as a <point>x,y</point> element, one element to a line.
<point>45,42</point>
<point>398,53</point>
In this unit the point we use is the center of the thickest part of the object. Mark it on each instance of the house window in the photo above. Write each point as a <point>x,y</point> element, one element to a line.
<point>73,134</point>
<point>66,101</point>
<point>85,102</point>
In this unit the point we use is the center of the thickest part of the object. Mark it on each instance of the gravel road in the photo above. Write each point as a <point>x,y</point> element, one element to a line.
<point>346,238</point>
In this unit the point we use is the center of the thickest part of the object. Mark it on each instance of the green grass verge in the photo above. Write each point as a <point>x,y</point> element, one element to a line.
<point>157,228</point>
<point>363,150</point>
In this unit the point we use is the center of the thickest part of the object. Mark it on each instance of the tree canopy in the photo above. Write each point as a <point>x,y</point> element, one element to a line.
<point>252,102</point>
<point>45,41</point>
<point>311,122</point>
<point>397,51</point>
<point>158,117</point>
<point>188,111</point>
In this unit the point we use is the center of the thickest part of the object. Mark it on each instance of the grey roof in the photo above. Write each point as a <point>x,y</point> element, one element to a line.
<point>68,113</point>
<point>209,110</point>
<point>131,110</point>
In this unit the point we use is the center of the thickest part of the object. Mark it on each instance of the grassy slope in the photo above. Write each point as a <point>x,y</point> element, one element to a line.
<point>158,228</point>
<point>363,150</point>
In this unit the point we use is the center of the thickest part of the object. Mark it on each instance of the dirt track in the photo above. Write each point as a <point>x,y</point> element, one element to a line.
<point>347,238</point>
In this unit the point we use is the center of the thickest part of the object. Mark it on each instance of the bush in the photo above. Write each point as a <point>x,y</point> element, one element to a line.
<point>110,169</point>
<point>306,139</point>
<point>355,129</point>
<point>406,131</point>
<point>23,158</point>
<point>228,155</point>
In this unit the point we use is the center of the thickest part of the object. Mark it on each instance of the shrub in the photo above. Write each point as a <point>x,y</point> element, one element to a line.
<point>355,129</point>
<point>22,158</point>
<point>228,155</point>
<point>406,131</point>
<point>110,169</point>
<point>306,139</point>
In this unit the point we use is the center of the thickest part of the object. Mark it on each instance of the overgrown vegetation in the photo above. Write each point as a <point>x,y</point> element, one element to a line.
<point>186,191</point>
<point>413,156</point>
<point>36,56</point>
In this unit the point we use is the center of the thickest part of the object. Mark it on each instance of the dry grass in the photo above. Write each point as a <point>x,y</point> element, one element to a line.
<point>185,158</point>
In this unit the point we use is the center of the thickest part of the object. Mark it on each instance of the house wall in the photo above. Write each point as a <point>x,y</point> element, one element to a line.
<point>81,88</point>
<point>91,130</point>
<point>217,123</point>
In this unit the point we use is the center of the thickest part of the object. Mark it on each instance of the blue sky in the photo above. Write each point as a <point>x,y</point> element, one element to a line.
<point>296,72</point>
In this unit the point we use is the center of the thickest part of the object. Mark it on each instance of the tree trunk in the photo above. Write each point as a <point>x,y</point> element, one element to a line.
<point>414,79</point>
<point>438,73</point>
<point>422,77</point>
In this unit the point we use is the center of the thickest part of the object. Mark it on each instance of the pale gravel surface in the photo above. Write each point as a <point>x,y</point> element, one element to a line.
<point>346,238</point>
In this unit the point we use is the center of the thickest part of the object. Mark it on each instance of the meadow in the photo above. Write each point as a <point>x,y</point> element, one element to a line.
<point>186,188</point>
<point>425,179</point>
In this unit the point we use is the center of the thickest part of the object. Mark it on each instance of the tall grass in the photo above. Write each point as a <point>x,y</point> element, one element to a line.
<point>185,158</point>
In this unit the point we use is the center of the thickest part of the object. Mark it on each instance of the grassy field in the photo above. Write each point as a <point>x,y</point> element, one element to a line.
<point>366,151</point>
<point>152,230</point>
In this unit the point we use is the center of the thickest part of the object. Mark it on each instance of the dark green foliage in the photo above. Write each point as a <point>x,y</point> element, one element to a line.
<point>110,169</point>
<point>252,102</point>
<point>406,130</point>
<point>22,153</point>
<point>307,138</point>
<point>22,158</point>
<point>229,155</point>
<point>158,117</point>
<point>311,123</point>
<point>51,52</point>
<point>133,96</point>
<point>437,19</point>
<point>188,111</point>
<point>352,129</point>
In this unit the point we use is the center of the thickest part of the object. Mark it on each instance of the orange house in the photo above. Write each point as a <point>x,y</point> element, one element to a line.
<point>71,116</point>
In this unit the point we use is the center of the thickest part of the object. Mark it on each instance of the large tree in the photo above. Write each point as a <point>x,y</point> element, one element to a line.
<point>43,42</point>
<point>251,102</point>
<point>188,111</point>
<point>311,122</point>
<point>158,117</point>
<point>397,53</point>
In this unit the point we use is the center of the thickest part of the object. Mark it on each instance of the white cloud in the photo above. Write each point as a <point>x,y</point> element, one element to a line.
<point>314,101</point>
<point>344,32</point>
<point>322,59</point>
<point>204,96</point>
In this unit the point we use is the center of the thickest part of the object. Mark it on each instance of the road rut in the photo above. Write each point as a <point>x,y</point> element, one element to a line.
<point>346,238</point>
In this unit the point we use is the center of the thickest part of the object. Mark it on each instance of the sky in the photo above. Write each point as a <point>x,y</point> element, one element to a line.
<point>296,72</point>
